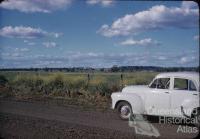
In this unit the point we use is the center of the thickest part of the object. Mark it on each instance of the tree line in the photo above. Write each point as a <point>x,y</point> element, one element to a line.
<point>112,69</point>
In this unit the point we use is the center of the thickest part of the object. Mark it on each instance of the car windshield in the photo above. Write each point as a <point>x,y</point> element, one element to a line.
<point>152,82</point>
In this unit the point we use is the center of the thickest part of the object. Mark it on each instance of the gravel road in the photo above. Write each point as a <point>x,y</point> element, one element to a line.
<point>41,120</point>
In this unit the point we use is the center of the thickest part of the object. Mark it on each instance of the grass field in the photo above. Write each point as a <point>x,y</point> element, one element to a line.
<point>80,88</point>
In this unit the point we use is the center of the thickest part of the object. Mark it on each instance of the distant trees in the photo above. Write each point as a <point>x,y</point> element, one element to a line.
<point>114,68</point>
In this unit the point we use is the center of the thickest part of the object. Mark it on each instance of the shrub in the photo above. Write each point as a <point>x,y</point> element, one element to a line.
<point>3,80</point>
<point>76,86</point>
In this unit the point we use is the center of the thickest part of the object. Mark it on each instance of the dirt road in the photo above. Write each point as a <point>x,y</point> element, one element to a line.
<point>40,120</point>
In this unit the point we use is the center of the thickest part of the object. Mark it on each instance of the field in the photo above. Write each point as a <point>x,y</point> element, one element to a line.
<point>70,105</point>
<point>83,89</point>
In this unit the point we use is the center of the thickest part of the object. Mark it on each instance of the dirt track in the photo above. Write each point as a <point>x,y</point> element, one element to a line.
<point>39,120</point>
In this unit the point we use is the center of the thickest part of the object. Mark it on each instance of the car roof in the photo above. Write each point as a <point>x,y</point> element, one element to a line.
<point>190,75</point>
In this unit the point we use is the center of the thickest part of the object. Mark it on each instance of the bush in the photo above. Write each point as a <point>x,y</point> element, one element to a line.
<point>103,86</point>
<point>76,87</point>
<point>3,80</point>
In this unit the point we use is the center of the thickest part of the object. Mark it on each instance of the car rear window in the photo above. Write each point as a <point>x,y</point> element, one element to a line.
<point>180,84</point>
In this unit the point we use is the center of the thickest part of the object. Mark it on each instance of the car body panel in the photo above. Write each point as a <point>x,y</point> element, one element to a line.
<point>133,99</point>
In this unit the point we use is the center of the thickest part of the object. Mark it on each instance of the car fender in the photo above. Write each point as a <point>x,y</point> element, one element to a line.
<point>134,100</point>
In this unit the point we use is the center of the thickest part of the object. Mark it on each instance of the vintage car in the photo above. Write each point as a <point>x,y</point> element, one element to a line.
<point>173,94</point>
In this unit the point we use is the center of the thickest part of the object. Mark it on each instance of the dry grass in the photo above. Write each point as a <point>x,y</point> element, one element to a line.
<point>95,90</point>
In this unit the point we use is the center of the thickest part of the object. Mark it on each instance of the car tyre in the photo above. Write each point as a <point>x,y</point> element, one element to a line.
<point>124,110</point>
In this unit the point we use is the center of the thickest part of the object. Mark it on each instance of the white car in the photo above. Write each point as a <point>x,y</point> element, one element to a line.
<point>173,94</point>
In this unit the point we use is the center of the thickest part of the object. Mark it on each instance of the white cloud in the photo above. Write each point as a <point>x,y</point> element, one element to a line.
<point>162,58</point>
<point>25,32</point>
<point>157,17</point>
<point>26,41</point>
<point>21,49</point>
<point>187,59</point>
<point>48,63</point>
<point>196,37</point>
<point>93,59</point>
<point>56,35</point>
<point>50,44</point>
<point>189,4</point>
<point>183,60</point>
<point>31,43</point>
<point>104,3</point>
<point>30,6</point>
<point>143,42</point>
<point>24,49</point>
<point>14,54</point>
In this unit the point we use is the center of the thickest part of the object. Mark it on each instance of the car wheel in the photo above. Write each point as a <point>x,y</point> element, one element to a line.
<point>124,110</point>
<point>196,116</point>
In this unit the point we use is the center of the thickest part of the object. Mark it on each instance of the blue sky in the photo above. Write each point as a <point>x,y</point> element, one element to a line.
<point>98,33</point>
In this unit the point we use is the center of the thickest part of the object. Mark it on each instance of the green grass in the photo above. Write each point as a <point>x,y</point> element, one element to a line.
<point>70,86</point>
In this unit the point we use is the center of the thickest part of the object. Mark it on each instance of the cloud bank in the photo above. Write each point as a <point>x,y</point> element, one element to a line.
<point>31,6</point>
<point>99,60</point>
<point>25,32</point>
<point>142,42</point>
<point>104,3</point>
<point>155,18</point>
<point>49,44</point>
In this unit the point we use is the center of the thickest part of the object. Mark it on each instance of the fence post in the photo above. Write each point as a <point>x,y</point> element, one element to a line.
<point>122,81</point>
<point>88,80</point>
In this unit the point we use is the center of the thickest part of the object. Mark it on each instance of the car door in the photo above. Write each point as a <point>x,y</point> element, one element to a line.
<point>158,98</point>
<point>184,92</point>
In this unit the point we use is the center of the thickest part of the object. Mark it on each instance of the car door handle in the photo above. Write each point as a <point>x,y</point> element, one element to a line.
<point>195,94</point>
<point>167,92</point>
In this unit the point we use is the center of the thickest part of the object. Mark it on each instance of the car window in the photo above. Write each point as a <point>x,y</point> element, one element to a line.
<point>153,85</point>
<point>163,83</point>
<point>192,86</point>
<point>180,84</point>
